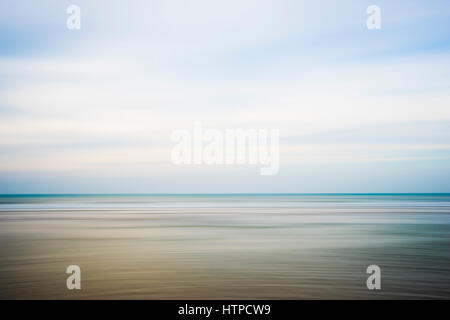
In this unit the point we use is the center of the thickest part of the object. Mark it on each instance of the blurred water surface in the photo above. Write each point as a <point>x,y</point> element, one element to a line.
<point>283,246</point>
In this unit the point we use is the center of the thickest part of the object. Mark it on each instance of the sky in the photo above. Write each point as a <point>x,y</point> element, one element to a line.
<point>92,110</point>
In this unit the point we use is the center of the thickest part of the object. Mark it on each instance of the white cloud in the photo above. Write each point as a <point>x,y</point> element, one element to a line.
<point>108,97</point>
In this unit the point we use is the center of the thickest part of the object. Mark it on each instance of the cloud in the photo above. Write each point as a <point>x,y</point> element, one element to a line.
<point>105,99</point>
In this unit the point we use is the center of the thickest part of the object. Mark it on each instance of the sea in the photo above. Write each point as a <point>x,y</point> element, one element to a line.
<point>225,246</point>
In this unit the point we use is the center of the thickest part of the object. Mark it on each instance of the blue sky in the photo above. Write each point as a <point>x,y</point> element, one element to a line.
<point>92,110</point>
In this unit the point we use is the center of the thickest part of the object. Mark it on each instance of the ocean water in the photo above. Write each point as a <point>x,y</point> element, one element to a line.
<point>283,246</point>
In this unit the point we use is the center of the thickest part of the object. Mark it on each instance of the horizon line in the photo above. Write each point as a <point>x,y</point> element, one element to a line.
<point>224,194</point>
